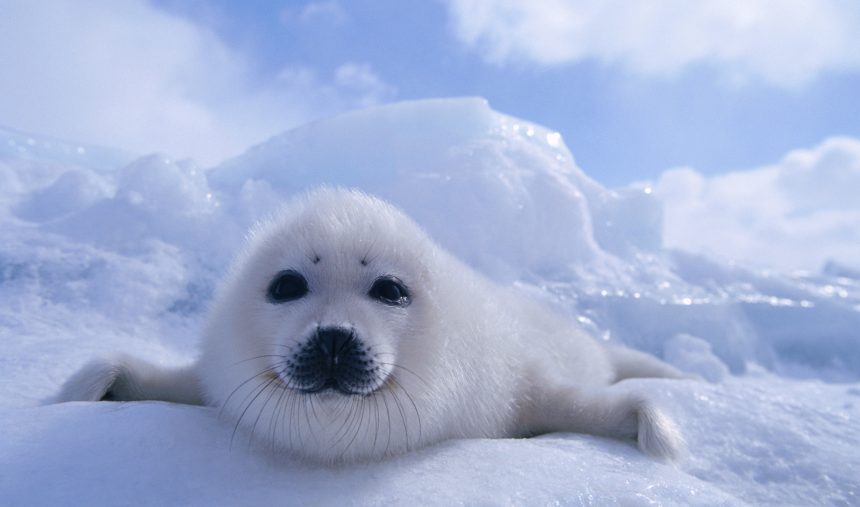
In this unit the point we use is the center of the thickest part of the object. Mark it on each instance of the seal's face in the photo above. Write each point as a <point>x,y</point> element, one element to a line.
<point>335,319</point>
<point>319,340</point>
<point>337,352</point>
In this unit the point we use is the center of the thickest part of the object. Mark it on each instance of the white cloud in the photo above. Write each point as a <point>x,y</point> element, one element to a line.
<point>123,73</point>
<point>352,85</point>
<point>327,11</point>
<point>785,42</point>
<point>362,81</point>
<point>798,213</point>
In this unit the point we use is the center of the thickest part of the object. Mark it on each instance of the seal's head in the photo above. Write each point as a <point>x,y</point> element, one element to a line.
<point>315,341</point>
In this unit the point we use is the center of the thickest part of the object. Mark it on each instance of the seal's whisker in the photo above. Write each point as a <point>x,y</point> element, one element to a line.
<point>388,419</point>
<point>275,416</point>
<point>258,357</point>
<point>361,409</point>
<point>272,392</point>
<point>402,413</point>
<point>266,371</point>
<point>346,426</point>
<point>376,423</point>
<point>258,390</point>
<point>412,401</point>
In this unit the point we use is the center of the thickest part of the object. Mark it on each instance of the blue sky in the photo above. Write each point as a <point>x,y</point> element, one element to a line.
<point>620,126</point>
<point>635,88</point>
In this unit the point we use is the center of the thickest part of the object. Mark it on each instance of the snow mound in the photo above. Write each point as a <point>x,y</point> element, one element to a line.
<point>100,253</point>
<point>521,203</point>
<point>43,150</point>
<point>507,196</point>
<point>694,355</point>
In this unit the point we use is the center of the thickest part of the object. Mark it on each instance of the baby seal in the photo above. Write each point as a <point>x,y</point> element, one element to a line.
<point>343,333</point>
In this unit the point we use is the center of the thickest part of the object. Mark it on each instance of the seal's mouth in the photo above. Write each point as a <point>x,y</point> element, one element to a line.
<point>332,385</point>
<point>334,360</point>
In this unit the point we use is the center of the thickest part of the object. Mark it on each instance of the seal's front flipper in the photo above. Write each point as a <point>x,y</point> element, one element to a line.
<point>604,412</point>
<point>125,378</point>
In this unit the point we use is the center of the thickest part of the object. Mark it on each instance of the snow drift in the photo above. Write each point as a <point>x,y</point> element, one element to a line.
<point>98,253</point>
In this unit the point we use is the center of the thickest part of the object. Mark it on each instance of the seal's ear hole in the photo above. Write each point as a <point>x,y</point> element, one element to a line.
<point>389,290</point>
<point>287,285</point>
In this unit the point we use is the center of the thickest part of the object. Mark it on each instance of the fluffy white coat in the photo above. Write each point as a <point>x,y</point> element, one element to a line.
<point>466,358</point>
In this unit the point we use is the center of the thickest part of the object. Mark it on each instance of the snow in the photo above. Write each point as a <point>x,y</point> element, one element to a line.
<point>101,252</point>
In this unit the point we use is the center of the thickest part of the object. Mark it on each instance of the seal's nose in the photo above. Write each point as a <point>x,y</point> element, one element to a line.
<point>335,358</point>
<point>332,341</point>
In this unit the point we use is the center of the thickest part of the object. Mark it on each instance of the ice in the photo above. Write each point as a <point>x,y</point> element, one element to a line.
<point>100,252</point>
<point>534,211</point>
<point>15,145</point>
<point>694,355</point>
<point>73,191</point>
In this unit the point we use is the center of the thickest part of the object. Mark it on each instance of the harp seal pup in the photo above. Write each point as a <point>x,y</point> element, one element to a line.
<point>342,333</point>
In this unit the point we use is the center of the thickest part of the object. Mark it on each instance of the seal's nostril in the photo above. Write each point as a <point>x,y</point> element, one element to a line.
<point>332,340</point>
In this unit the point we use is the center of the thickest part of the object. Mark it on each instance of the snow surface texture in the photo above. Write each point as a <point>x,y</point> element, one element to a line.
<point>98,254</point>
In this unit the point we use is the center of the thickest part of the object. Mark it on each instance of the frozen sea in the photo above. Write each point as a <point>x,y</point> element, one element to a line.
<point>102,250</point>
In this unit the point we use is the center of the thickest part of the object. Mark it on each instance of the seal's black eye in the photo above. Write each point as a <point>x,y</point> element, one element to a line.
<point>390,290</point>
<point>287,286</point>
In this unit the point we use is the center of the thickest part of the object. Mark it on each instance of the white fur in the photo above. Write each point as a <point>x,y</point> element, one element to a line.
<point>466,358</point>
